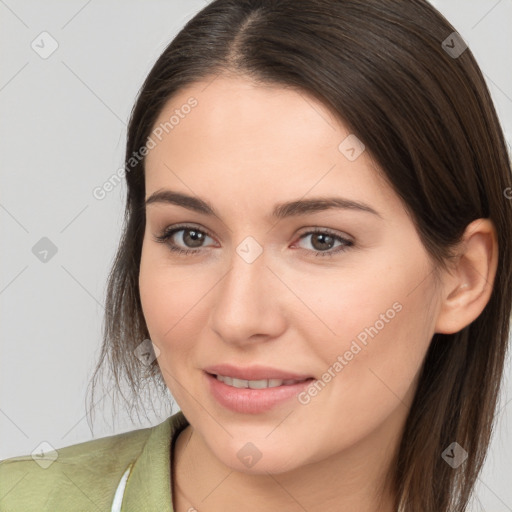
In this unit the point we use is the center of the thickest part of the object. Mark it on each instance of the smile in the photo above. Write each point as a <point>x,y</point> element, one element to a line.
<point>256,384</point>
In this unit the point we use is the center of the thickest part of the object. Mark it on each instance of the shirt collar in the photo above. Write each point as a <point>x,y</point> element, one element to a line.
<point>148,485</point>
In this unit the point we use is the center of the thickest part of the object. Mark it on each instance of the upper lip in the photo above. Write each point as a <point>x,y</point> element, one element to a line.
<point>254,372</point>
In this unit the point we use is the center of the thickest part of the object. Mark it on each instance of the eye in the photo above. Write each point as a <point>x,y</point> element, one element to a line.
<point>191,235</point>
<point>322,240</point>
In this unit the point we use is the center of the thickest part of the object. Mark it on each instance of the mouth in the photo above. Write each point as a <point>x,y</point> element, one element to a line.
<point>257,384</point>
<point>254,396</point>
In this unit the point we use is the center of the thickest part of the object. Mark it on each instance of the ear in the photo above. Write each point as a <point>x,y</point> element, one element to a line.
<point>467,288</point>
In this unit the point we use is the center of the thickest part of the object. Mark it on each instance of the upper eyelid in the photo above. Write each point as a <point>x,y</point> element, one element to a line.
<point>174,230</point>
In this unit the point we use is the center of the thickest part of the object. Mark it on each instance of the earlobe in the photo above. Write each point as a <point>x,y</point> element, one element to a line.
<point>468,287</point>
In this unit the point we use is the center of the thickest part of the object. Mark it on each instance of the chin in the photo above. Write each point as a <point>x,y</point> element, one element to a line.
<point>259,458</point>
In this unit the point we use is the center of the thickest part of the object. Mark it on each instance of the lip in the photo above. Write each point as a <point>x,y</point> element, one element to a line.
<point>252,401</point>
<point>254,372</point>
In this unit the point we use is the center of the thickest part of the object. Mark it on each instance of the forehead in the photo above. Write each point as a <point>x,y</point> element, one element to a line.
<point>249,112</point>
<point>242,140</point>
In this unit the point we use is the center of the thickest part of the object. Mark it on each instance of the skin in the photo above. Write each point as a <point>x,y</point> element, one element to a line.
<point>245,148</point>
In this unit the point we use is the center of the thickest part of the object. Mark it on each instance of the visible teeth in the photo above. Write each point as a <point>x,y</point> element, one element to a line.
<point>258,384</point>
<point>239,383</point>
<point>255,384</point>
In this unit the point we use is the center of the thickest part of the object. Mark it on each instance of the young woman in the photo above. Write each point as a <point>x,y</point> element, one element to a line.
<point>316,263</point>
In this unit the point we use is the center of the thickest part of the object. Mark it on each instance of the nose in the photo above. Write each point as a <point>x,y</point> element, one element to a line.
<point>249,302</point>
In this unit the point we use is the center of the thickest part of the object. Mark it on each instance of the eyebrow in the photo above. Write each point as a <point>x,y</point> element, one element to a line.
<point>280,211</point>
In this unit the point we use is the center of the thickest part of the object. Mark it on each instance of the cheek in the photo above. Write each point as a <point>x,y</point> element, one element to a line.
<point>372,331</point>
<point>175,308</point>
<point>370,364</point>
<point>163,308</point>
<point>169,302</point>
<point>167,294</point>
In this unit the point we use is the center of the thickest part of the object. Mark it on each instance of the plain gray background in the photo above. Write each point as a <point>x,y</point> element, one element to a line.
<point>63,128</point>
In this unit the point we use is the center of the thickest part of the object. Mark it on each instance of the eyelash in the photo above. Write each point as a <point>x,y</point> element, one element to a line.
<point>168,233</point>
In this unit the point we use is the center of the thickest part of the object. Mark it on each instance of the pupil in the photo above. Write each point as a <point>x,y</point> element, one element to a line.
<point>196,238</point>
<point>324,239</point>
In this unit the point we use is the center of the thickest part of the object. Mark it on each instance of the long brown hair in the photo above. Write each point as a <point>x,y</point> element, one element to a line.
<point>425,115</point>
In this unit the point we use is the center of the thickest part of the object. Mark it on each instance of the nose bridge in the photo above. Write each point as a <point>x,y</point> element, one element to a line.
<point>247,275</point>
<point>245,304</point>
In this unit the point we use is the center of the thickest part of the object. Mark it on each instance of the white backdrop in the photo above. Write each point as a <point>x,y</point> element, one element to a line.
<point>69,75</point>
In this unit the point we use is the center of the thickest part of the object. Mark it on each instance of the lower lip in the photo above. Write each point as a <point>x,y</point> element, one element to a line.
<point>252,401</point>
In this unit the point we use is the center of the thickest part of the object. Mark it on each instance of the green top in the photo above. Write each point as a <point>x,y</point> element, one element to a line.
<point>133,468</point>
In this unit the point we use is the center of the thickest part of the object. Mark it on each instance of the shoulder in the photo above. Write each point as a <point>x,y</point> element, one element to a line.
<point>83,476</point>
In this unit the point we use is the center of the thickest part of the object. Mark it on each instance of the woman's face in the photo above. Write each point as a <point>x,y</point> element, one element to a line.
<point>352,306</point>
